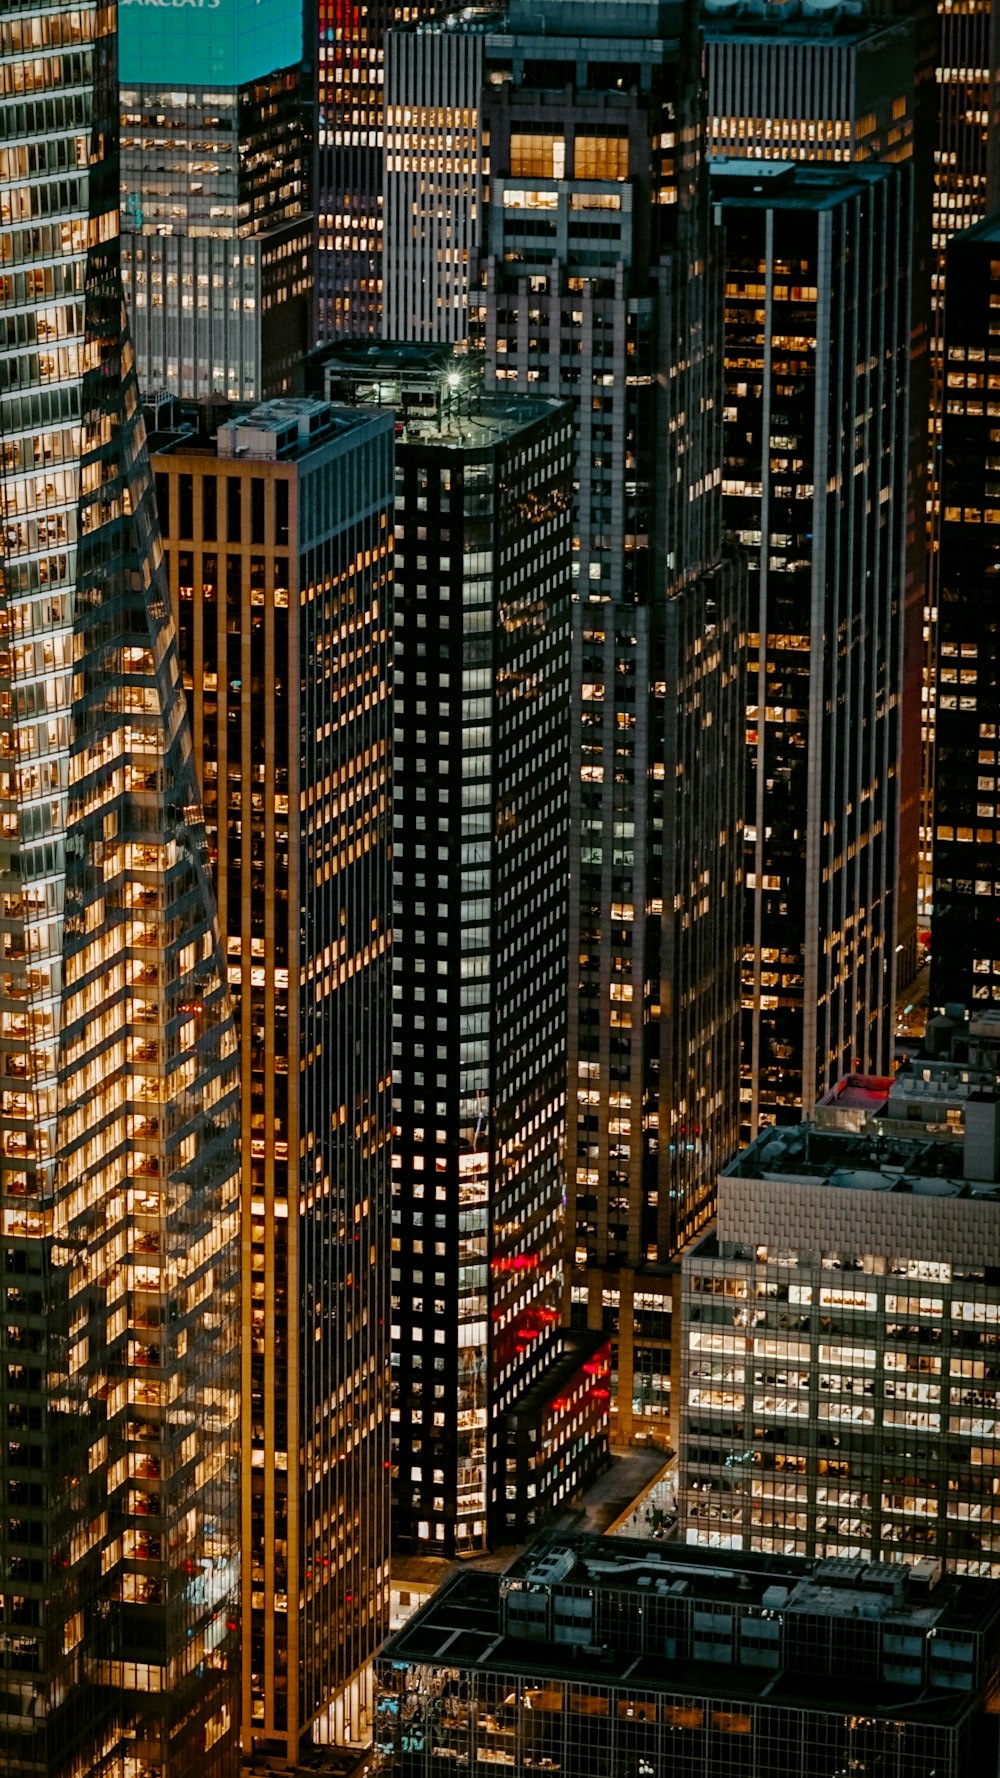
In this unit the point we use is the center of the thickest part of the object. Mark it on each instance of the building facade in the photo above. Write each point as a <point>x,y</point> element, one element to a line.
<point>278,544</point>
<point>350,142</point>
<point>815,488</point>
<point>595,255</point>
<point>965,951</point>
<point>854,84</point>
<point>119,1187</point>
<point>481,880</point>
<point>217,235</point>
<point>433,176</point>
<point>593,1655</point>
<point>834,86</point>
<point>840,1341</point>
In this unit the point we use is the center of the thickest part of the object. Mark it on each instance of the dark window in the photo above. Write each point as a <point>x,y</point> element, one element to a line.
<point>185,506</point>
<point>163,502</point>
<point>281,512</point>
<point>256,509</point>
<point>209,512</point>
<point>234,508</point>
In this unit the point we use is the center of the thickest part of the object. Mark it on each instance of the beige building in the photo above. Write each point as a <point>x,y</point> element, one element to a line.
<point>278,539</point>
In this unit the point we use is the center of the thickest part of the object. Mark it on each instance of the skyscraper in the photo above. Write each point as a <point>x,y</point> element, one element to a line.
<point>965,964</point>
<point>119,1109</point>
<point>815,487</point>
<point>842,86</point>
<point>833,85</point>
<point>217,235</point>
<point>596,282</point>
<point>349,148</point>
<point>278,541</point>
<point>481,872</point>
<point>433,175</point>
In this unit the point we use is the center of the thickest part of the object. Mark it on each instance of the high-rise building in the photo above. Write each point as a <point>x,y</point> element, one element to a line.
<point>278,542</point>
<point>966,157</point>
<point>966,78</point>
<point>815,488</point>
<point>965,963</point>
<point>433,175</point>
<point>593,1655</point>
<point>350,119</point>
<point>119,1556</point>
<point>840,1333</point>
<point>482,1370</point>
<point>595,283</point>
<point>839,85</point>
<point>217,239</point>
<point>791,84</point>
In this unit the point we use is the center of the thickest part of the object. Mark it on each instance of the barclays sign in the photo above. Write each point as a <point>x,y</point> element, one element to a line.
<point>192,43</point>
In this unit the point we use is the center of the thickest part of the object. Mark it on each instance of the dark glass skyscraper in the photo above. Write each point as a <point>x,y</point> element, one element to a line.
<point>597,282</point>
<point>842,87</point>
<point>966,922</point>
<point>814,486</point>
<point>483,1374</point>
<point>119,1100</point>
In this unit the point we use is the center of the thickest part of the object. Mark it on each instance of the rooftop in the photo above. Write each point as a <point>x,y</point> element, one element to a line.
<point>859,1092</point>
<point>791,185</point>
<point>832,1586</point>
<point>795,21</point>
<point>465,1623</point>
<point>472,21</point>
<point>806,1154</point>
<point>632,20</point>
<point>434,391</point>
<point>274,430</point>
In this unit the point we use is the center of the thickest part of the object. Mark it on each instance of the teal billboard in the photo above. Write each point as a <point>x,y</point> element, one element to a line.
<point>184,43</point>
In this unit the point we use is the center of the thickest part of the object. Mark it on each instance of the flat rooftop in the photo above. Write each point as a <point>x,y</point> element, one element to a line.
<point>462,1625</point>
<point>842,1160</point>
<point>788,184</point>
<point>859,1092</point>
<point>472,21</point>
<point>392,357</point>
<point>803,22</point>
<point>273,431</point>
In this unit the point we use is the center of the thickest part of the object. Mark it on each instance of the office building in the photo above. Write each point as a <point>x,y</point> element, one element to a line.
<point>593,1655</point>
<point>808,82</point>
<point>834,83</point>
<point>119,1557</point>
<point>840,1334</point>
<point>594,257</point>
<point>815,488</point>
<point>350,143</point>
<point>278,541</point>
<point>966,77</point>
<point>498,1415</point>
<point>433,175</point>
<point>217,235</point>
<point>966,926</point>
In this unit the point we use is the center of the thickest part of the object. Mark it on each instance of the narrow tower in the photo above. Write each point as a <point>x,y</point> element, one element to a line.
<point>119,1165</point>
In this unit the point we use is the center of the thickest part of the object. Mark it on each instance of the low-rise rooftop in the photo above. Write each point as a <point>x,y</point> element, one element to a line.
<point>603,1611</point>
<point>837,1159</point>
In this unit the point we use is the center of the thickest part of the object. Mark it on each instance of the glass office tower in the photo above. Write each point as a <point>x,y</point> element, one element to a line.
<point>816,438</point>
<point>597,281</point>
<point>216,235</point>
<point>119,1166</point>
